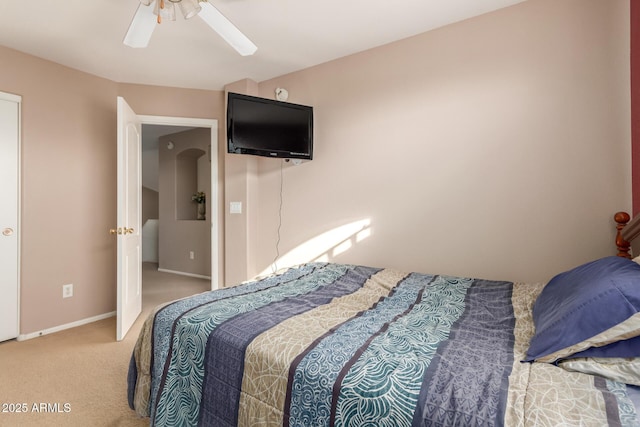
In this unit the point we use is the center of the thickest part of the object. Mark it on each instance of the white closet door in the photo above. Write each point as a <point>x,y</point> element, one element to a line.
<point>9,215</point>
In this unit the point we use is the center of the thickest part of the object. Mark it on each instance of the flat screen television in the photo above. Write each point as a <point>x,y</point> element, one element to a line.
<point>270,128</point>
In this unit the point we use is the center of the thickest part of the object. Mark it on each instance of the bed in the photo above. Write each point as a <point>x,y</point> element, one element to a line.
<point>326,344</point>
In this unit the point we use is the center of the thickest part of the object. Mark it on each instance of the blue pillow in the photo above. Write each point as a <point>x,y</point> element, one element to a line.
<point>577,309</point>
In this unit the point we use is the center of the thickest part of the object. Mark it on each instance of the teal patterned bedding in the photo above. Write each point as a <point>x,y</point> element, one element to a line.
<point>342,345</point>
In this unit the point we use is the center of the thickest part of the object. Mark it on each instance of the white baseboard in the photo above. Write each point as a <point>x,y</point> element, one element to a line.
<point>182,273</point>
<point>24,337</point>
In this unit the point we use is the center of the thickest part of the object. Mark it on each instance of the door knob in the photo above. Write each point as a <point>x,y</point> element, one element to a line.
<point>121,230</point>
<point>7,232</point>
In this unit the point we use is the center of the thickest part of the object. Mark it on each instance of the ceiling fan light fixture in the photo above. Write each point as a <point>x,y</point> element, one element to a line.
<point>165,10</point>
<point>189,8</point>
<point>144,21</point>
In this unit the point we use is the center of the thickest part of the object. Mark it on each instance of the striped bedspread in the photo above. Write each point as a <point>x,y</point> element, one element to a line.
<point>343,345</point>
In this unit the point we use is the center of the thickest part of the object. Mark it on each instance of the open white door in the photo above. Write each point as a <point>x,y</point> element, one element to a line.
<point>128,231</point>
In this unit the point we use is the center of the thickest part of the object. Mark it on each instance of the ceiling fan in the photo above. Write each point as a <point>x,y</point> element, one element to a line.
<point>152,12</point>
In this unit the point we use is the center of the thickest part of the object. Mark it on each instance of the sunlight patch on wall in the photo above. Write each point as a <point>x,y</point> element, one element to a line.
<point>324,247</point>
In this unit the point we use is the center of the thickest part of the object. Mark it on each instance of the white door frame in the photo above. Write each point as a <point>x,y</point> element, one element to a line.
<point>15,229</point>
<point>213,125</point>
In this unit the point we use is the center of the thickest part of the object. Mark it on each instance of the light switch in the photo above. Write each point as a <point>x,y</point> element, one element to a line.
<point>235,207</point>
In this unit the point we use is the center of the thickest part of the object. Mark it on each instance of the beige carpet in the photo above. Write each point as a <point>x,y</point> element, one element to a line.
<point>77,377</point>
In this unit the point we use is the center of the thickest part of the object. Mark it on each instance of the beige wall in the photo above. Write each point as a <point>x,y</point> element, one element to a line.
<point>240,185</point>
<point>497,147</point>
<point>69,181</point>
<point>179,231</point>
<point>68,190</point>
<point>149,204</point>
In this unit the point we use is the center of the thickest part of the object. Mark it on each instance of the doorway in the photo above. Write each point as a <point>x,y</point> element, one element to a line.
<point>182,123</point>
<point>129,227</point>
<point>168,139</point>
<point>176,199</point>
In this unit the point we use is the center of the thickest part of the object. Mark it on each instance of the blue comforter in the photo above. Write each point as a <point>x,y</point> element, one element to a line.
<point>343,345</point>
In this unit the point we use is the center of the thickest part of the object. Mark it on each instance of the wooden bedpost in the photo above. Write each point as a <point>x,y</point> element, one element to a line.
<point>622,218</point>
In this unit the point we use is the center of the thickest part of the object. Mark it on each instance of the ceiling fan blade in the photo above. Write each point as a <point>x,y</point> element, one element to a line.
<point>229,32</point>
<point>141,28</point>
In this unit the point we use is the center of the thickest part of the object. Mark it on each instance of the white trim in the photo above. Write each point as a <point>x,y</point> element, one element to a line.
<point>19,101</point>
<point>177,121</point>
<point>182,273</point>
<point>215,205</point>
<point>10,97</point>
<point>77,323</point>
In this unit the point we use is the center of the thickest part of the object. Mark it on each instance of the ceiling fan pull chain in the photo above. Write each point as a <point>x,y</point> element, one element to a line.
<point>161,7</point>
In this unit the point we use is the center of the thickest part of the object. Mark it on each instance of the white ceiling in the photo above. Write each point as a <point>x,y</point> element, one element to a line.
<point>290,35</point>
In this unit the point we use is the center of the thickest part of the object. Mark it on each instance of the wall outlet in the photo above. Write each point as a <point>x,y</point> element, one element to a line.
<point>192,255</point>
<point>67,290</point>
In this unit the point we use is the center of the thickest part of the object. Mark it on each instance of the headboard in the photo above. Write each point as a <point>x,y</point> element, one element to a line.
<point>628,230</point>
